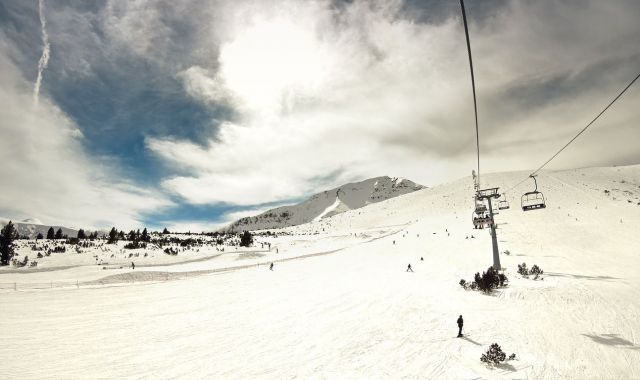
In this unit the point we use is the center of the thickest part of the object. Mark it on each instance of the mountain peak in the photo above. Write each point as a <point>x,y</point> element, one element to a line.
<point>331,202</point>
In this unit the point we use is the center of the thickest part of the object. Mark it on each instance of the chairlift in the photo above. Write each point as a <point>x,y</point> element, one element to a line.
<point>503,204</point>
<point>534,199</point>
<point>480,206</point>
<point>480,221</point>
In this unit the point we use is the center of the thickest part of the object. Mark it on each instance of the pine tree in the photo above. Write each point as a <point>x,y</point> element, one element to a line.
<point>39,236</point>
<point>246,240</point>
<point>81,234</point>
<point>59,234</point>
<point>113,236</point>
<point>165,231</point>
<point>7,249</point>
<point>145,236</point>
<point>51,233</point>
<point>494,355</point>
<point>131,236</point>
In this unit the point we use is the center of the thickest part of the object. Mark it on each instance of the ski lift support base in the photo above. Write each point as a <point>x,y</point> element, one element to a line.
<point>488,194</point>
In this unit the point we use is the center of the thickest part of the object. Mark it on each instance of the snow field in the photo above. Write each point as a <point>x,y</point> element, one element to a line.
<point>356,313</point>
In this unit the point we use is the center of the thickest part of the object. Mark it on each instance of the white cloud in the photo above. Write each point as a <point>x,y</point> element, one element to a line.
<point>363,91</point>
<point>324,92</point>
<point>45,171</point>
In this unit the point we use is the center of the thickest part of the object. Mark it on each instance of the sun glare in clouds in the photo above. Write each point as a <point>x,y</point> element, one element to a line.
<point>272,63</point>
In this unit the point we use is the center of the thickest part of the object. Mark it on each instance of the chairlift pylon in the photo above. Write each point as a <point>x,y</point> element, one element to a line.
<point>534,199</point>
<point>480,215</point>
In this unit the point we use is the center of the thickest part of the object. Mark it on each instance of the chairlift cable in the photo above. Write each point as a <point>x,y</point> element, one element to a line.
<point>577,135</point>
<point>473,85</point>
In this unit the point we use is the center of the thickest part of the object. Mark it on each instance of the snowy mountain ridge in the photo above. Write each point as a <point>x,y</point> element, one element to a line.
<point>347,197</point>
<point>32,227</point>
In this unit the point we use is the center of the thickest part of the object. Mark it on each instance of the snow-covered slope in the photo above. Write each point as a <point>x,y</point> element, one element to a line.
<point>352,311</point>
<point>32,227</point>
<point>328,203</point>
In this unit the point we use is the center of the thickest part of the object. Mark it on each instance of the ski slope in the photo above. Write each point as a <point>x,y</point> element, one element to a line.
<point>354,312</point>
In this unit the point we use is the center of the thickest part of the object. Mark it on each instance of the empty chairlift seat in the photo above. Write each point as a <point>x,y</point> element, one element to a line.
<point>533,200</point>
<point>503,204</point>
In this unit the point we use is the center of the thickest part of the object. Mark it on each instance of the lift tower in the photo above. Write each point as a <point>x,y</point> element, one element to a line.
<point>489,194</point>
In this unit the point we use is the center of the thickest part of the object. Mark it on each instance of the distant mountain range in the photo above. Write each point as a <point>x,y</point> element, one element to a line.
<point>32,227</point>
<point>328,203</point>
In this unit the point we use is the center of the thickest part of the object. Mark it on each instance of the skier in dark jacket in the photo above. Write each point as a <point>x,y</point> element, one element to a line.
<point>271,266</point>
<point>409,268</point>
<point>460,323</point>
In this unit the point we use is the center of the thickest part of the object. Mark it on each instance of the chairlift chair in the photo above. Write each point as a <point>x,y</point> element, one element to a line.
<point>534,199</point>
<point>503,204</point>
<point>480,206</point>
<point>480,221</point>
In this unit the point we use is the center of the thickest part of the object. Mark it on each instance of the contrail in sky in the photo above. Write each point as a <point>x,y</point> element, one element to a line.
<point>44,58</point>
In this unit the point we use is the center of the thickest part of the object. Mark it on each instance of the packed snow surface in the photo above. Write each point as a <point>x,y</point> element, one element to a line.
<point>339,303</point>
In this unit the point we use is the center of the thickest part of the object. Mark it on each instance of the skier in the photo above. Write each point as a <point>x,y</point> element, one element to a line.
<point>133,266</point>
<point>460,323</point>
<point>422,259</point>
<point>409,268</point>
<point>271,266</point>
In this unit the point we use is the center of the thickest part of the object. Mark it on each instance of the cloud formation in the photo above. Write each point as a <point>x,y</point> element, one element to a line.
<point>249,102</point>
<point>362,89</point>
<point>46,172</point>
<point>46,47</point>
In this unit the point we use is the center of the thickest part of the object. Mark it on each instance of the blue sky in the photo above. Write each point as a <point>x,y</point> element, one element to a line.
<point>189,114</point>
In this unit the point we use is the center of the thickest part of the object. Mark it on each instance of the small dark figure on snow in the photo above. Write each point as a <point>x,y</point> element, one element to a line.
<point>271,266</point>
<point>409,268</point>
<point>133,265</point>
<point>460,323</point>
<point>422,259</point>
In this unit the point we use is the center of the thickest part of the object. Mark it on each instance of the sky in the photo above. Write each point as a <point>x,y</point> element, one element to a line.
<point>190,114</point>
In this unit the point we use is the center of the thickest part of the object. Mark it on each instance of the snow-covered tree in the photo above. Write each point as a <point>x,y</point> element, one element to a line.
<point>494,355</point>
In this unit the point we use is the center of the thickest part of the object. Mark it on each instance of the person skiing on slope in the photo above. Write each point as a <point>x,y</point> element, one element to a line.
<point>133,266</point>
<point>460,323</point>
<point>271,266</point>
<point>409,268</point>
